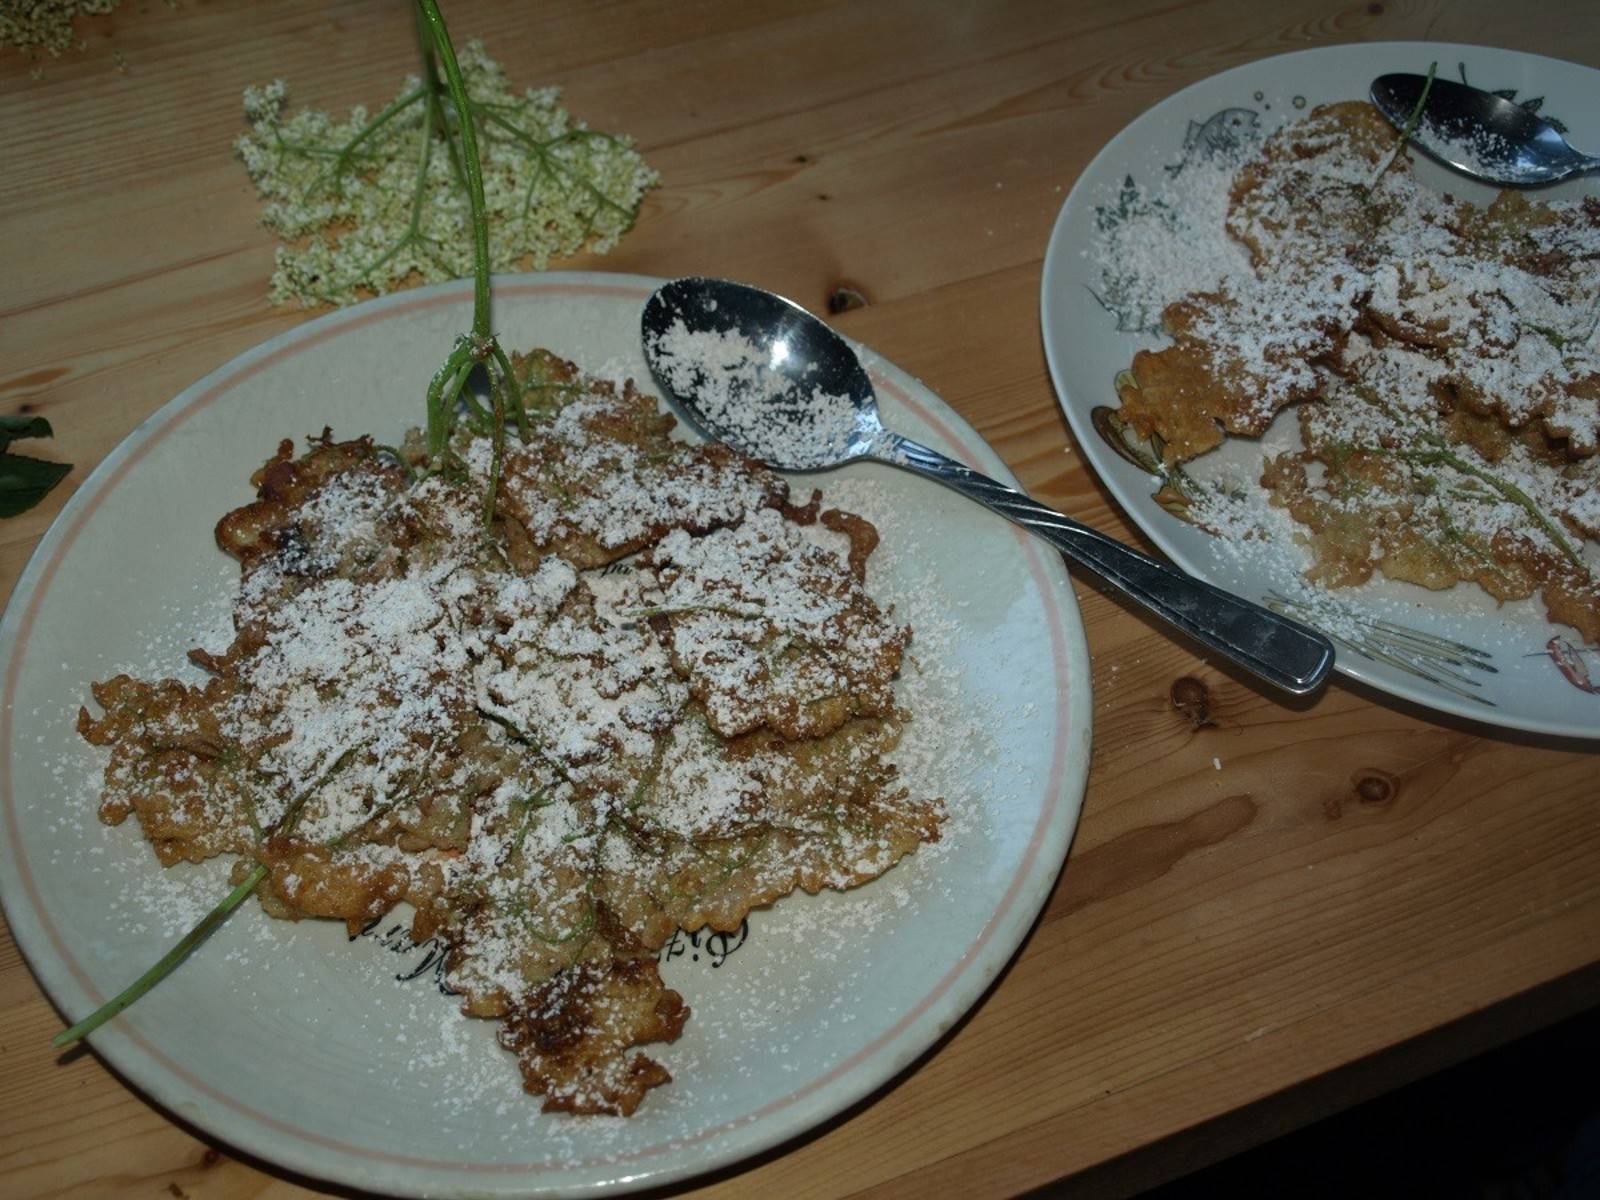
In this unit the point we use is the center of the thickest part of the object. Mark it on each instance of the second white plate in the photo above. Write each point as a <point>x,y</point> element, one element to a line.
<point>1531,665</point>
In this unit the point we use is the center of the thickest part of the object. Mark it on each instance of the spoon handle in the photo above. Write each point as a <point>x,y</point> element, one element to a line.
<point>1278,650</point>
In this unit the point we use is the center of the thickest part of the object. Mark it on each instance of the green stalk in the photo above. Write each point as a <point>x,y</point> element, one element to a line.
<point>673,610</point>
<point>349,148</point>
<point>498,438</point>
<point>399,459</point>
<point>1409,129</point>
<point>168,961</point>
<point>469,154</point>
<point>1505,487</point>
<point>483,345</point>
<point>438,406</point>
<point>1416,110</point>
<point>458,384</point>
<point>206,925</point>
<point>518,408</point>
<point>436,90</point>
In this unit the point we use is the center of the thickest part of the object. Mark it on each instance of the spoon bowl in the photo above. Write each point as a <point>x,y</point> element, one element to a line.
<point>1479,133</point>
<point>762,374</point>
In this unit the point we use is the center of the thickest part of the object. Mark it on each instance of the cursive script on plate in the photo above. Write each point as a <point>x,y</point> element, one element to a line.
<point>704,943</point>
<point>426,959</point>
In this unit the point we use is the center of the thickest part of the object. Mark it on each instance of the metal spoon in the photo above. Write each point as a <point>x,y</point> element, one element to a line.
<point>1478,133</point>
<point>815,408</point>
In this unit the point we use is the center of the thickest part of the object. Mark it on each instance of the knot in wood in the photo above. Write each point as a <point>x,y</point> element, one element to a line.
<point>1192,698</point>
<point>844,297</point>
<point>1374,787</point>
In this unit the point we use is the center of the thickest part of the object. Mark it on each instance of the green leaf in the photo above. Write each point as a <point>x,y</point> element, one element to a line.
<point>23,426</point>
<point>26,481</point>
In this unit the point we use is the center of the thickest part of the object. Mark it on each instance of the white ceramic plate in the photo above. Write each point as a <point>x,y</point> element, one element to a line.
<point>1527,689</point>
<point>309,1052</point>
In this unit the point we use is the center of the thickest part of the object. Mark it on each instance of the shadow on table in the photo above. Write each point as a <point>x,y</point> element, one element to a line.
<point>1520,1121</point>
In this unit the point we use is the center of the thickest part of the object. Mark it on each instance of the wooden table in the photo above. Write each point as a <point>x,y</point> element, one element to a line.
<point>1228,954</point>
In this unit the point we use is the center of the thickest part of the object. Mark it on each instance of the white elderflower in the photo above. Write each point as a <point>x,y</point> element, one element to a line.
<point>46,24</point>
<point>376,201</point>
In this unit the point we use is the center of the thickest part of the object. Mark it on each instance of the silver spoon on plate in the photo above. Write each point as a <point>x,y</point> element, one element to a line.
<point>765,376</point>
<point>1478,133</point>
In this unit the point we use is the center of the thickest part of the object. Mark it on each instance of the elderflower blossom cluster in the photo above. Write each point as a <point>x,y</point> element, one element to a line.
<point>376,201</point>
<point>46,24</point>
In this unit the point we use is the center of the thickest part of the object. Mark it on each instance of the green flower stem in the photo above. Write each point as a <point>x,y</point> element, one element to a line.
<point>498,438</point>
<point>436,89</point>
<point>208,923</point>
<point>393,453</point>
<point>673,610</point>
<point>347,151</point>
<point>458,385</point>
<point>169,960</point>
<point>547,162</point>
<point>1439,455</point>
<point>383,810</point>
<point>482,346</point>
<point>414,226</point>
<point>1442,457</point>
<point>438,409</point>
<point>469,154</point>
<point>514,389</point>
<point>1416,111</point>
<point>1409,129</point>
<point>478,417</point>
<point>413,231</point>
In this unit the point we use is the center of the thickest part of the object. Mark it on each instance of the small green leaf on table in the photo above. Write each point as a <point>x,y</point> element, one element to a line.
<point>25,481</point>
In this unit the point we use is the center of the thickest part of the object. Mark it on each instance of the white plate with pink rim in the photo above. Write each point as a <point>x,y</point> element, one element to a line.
<point>343,1060</point>
<point>1455,652</point>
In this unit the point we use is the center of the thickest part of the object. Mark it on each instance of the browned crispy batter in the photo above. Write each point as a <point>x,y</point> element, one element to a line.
<point>863,535</point>
<point>1299,195</point>
<point>170,766</point>
<point>597,482</point>
<point>818,813</point>
<point>284,482</point>
<point>1191,394</point>
<point>314,882</point>
<point>572,1035</point>
<point>1389,509</point>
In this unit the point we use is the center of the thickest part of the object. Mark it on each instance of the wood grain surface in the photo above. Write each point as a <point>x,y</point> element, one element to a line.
<point>1228,953</point>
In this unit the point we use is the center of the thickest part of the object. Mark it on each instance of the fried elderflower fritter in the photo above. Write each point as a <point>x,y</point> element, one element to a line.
<point>1442,359</point>
<point>556,757</point>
